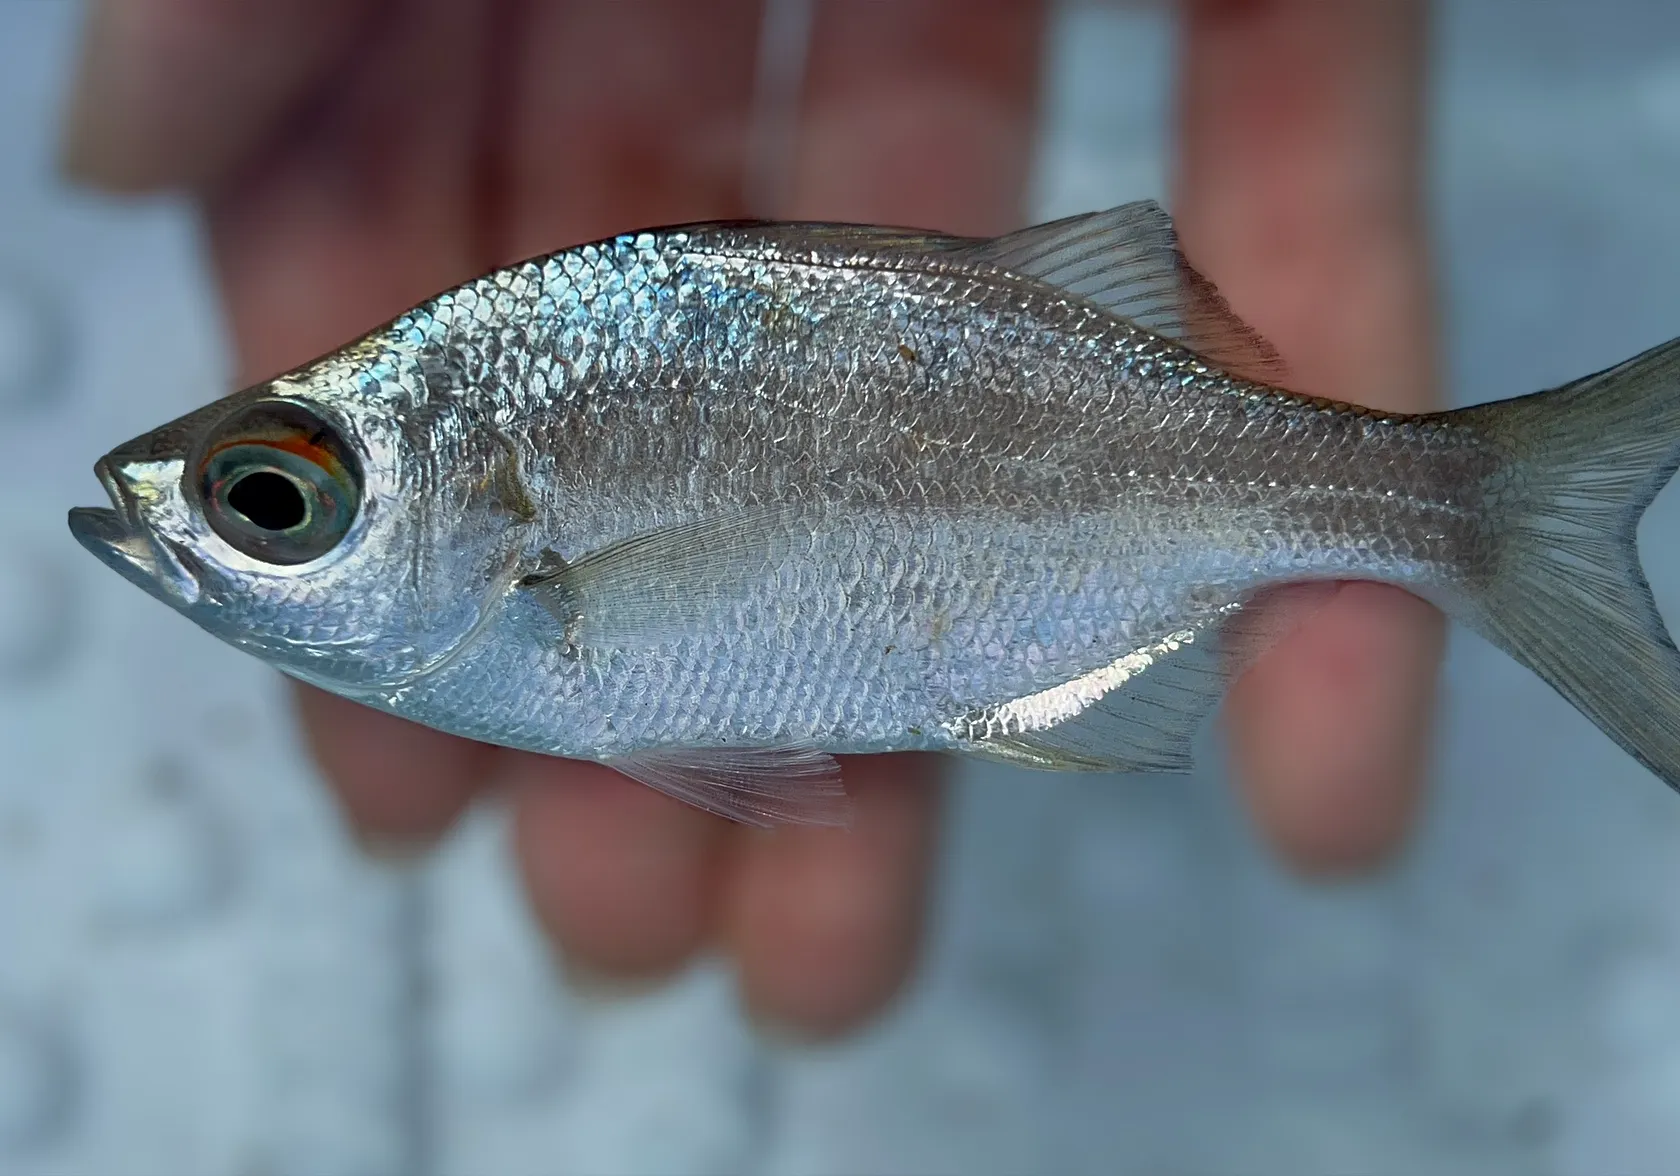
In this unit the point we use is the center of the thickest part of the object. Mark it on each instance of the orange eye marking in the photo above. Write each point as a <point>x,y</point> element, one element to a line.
<point>296,444</point>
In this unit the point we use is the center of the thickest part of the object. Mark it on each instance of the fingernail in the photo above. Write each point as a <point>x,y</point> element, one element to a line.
<point>815,1030</point>
<point>392,851</point>
<point>595,986</point>
<point>779,1033</point>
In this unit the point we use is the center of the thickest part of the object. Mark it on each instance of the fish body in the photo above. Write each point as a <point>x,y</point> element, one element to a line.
<point>714,503</point>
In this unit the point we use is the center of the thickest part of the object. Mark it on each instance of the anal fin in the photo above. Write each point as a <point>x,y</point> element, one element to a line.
<point>1141,712</point>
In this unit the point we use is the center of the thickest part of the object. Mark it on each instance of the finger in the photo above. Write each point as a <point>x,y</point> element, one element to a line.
<point>825,923</point>
<point>1351,692</point>
<point>648,122</point>
<point>176,93</point>
<point>914,113</point>
<point>372,205</point>
<point>400,786</point>
<point>345,221</point>
<point>1299,193</point>
<point>920,113</point>
<point>619,876</point>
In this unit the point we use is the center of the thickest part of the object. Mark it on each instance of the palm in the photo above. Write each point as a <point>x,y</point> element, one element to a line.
<point>350,178</point>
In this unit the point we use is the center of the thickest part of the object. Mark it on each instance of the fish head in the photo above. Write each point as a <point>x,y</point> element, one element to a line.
<point>318,521</point>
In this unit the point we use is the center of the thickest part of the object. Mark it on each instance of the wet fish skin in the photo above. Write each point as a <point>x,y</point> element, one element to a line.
<point>819,489</point>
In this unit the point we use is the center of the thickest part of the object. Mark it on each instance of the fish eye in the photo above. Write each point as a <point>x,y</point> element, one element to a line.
<point>278,483</point>
<point>269,500</point>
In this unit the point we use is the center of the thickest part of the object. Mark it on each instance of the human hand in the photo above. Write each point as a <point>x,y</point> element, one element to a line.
<point>353,159</point>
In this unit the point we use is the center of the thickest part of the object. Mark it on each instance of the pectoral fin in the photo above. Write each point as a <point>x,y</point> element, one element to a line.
<point>661,585</point>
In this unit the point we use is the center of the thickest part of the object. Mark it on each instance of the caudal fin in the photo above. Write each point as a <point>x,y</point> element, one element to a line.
<point>1570,600</point>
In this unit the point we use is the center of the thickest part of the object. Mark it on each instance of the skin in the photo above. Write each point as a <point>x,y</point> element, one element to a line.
<point>341,183</point>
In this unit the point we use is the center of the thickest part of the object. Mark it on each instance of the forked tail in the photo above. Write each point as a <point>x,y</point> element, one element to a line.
<point>1570,600</point>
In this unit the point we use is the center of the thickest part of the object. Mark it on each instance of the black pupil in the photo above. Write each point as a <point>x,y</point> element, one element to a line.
<point>271,501</point>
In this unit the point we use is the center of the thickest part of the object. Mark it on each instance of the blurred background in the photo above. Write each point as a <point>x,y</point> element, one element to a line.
<point>199,974</point>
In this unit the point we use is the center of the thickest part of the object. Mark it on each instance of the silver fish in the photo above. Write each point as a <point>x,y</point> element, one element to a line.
<point>711,504</point>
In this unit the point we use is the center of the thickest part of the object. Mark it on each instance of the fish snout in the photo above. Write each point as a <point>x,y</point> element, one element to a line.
<point>119,537</point>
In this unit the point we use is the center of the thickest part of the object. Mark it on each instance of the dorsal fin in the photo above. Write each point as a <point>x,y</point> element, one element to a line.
<point>1127,261</point>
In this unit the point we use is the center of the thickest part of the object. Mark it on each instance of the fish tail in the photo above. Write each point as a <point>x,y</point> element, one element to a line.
<point>1568,598</point>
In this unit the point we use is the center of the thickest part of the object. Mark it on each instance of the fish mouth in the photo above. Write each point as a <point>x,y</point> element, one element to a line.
<point>118,539</point>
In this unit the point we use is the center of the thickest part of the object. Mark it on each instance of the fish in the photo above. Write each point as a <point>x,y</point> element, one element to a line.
<point>713,504</point>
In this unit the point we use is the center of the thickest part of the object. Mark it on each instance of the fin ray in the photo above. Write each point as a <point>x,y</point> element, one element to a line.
<point>661,585</point>
<point>1569,598</point>
<point>1127,261</point>
<point>763,786</point>
<point>1141,713</point>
